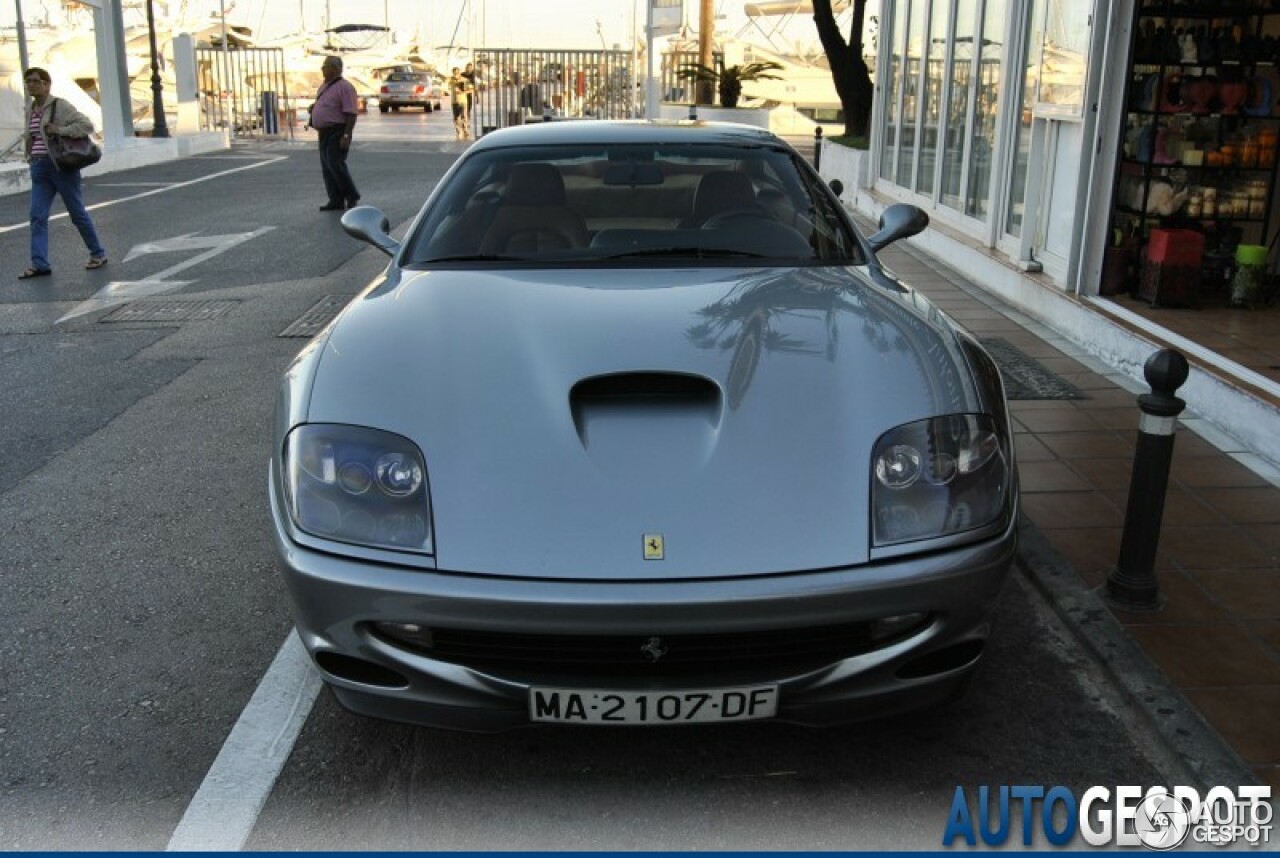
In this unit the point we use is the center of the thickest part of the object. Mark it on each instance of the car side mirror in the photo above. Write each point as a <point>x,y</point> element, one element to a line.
<point>837,186</point>
<point>370,225</point>
<point>900,220</point>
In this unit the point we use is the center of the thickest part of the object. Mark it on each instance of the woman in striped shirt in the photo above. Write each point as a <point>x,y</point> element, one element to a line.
<point>49,115</point>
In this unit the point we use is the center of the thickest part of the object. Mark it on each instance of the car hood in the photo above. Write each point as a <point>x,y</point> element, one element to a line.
<point>569,417</point>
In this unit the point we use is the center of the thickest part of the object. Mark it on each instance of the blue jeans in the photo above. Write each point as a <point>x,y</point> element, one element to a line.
<point>333,165</point>
<point>46,181</point>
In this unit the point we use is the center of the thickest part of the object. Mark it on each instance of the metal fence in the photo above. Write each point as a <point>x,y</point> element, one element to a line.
<point>521,85</point>
<point>246,90</point>
<point>672,87</point>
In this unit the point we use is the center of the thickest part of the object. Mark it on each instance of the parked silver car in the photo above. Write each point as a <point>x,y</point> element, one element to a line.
<point>410,89</point>
<point>635,429</point>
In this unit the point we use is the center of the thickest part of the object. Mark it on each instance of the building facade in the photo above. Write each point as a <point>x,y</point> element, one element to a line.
<point>1054,143</point>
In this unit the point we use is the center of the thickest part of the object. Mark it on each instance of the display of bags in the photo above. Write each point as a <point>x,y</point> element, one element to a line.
<point>71,153</point>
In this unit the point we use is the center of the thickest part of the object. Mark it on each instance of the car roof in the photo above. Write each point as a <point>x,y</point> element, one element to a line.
<point>621,131</point>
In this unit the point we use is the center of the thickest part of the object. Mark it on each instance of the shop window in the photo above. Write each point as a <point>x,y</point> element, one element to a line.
<point>892,109</point>
<point>1198,166</point>
<point>982,138</point>
<point>911,73</point>
<point>1022,134</point>
<point>1064,58</point>
<point>934,90</point>
<point>943,93</point>
<point>962,61</point>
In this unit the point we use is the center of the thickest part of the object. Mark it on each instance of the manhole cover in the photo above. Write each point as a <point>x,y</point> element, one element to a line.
<point>314,320</point>
<point>1024,377</point>
<point>171,311</point>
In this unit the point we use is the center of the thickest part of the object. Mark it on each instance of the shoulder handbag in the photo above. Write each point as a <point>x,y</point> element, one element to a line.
<point>71,153</point>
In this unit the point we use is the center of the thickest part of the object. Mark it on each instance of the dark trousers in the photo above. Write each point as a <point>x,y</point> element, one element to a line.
<point>333,164</point>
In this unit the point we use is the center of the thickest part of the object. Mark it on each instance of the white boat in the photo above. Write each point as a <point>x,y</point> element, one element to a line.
<point>804,95</point>
<point>803,98</point>
<point>775,8</point>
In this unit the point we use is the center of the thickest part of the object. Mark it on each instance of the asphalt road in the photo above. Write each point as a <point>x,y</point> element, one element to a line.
<point>141,606</point>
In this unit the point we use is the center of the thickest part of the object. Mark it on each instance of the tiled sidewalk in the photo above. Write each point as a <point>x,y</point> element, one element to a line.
<point>1217,635</point>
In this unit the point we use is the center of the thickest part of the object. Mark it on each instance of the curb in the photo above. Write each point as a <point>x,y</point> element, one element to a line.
<point>1172,718</point>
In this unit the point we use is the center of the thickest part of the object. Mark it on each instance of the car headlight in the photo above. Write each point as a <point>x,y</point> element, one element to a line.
<point>358,485</point>
<point>938,476</point>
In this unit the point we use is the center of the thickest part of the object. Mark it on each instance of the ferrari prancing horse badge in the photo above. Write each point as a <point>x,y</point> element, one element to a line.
<point>653,546</point>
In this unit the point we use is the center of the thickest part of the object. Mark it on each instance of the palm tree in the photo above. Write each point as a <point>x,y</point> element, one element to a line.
<point>729,82</point>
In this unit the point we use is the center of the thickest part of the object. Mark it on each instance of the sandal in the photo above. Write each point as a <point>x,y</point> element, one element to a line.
<point>35,272</point>
<point>95,263</point>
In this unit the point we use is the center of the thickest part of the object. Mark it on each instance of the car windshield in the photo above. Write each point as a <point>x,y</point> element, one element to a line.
<point>404,77</point>
<point>650,204</point>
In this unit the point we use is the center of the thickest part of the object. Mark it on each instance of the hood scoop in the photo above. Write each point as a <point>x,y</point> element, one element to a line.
<point>647,424</point>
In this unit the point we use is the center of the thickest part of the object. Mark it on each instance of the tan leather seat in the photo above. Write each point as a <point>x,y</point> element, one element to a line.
<point>534,215</point>
<point>719,192</point>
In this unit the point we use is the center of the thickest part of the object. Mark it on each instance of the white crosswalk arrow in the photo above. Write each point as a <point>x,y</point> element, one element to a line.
<point>124,291</point>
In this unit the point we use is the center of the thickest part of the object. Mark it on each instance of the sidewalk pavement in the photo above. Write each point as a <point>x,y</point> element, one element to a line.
<point>1216,637</point>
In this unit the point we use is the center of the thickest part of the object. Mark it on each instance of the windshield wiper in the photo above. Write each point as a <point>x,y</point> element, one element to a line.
<point>695,252</point>
<point>473,257</point>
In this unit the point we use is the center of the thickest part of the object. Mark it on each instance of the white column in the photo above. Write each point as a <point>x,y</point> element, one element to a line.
<point>184,73</point>
<point>113,75</point>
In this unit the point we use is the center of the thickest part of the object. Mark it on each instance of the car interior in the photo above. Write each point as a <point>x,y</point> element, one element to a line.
<point>633,205</point>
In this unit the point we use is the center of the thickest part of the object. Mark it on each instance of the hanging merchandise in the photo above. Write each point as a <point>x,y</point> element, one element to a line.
<point>1198,169</point>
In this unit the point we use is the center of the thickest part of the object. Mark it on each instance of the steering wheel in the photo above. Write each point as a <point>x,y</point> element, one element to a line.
<point>738,217</point>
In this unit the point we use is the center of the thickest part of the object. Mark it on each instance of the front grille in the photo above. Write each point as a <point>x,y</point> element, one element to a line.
<point>638,654</point>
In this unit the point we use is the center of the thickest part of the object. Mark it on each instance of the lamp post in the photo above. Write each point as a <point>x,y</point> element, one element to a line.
<point>23,62</point>
<point>633,78</point>
<point>160,127</point>
<point>225,88</point>
<point>650,81</point>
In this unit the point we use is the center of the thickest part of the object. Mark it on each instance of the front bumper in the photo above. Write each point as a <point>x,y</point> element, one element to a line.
<point>336,600</point>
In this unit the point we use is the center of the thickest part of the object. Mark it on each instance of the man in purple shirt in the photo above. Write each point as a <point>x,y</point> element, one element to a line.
<point>333,116</point>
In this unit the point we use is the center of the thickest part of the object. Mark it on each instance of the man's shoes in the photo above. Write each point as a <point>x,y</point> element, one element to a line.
<point>331,207</point>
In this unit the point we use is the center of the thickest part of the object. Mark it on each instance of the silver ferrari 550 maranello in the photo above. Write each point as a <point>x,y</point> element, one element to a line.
<point>635,429</point>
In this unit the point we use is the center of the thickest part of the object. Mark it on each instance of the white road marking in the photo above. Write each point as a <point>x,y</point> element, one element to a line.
<point>192,241</point>
<point>132,184</point>
<point>119,292</point>
<point>175,186</point>
<point>224,810</point>
<point>123,291</point>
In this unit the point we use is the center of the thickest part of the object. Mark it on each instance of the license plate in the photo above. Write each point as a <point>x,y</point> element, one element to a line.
<point>577,706</point>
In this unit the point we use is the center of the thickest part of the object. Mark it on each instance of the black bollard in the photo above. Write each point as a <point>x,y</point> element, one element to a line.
<point>817,147</point>
<point>1132,584</point>
<point>693,111</point>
